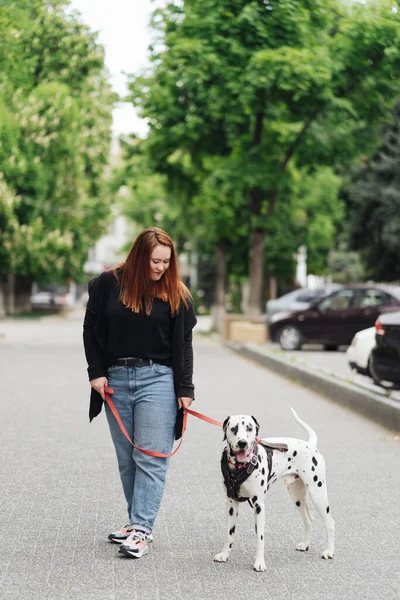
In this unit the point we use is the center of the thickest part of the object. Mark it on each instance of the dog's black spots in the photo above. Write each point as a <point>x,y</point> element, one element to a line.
<point>327,509</point>
<point>289,459</point>
<point>254,499</point>
<point>263,471</point>
<point>258,509</point>
<point>262,537</point>
<point>314,461</point>
<point>232,530</point>
<point>315,478</point>
<point>267,487</point>
<point>262,482</point>
<point>289,467</point>
<point>298,503</point>
<point>230,545</point>
<point>312,469</point>
<point>295,453</point>
<point>319,483</point>
<point>231,511</point>
<point>255,527</point>
<point>235,429</point>
<point>259,459</point>
<point>249,428</point>
<point>231,453</point>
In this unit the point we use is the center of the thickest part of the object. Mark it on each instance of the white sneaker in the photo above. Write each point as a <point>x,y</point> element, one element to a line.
<point>136,545</point>
<point>119,536</point>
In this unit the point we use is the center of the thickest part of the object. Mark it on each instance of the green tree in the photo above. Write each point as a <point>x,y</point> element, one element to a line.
<point>55,132</point>
<point>375,206</point>
<point>259,91</point>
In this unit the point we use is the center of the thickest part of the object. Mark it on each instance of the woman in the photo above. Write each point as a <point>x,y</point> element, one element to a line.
<point>138,341</point>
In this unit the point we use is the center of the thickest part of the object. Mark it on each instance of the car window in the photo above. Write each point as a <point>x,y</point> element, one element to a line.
<point>367,298</point>
<point>339,301</point>
<point>307,297</point>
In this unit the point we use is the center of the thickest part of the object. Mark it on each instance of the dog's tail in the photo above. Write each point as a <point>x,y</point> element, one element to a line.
<point>312,440</point>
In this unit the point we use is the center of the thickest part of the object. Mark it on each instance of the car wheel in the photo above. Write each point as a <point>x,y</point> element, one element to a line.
<point>386,385</point>
<point>290,338</point>
<point>331,347</point>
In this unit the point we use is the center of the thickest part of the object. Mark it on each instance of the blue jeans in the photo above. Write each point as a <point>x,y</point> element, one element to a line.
<point>146,402</point>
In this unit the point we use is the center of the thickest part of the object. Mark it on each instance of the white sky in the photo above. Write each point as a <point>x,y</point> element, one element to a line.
<point>124,32</point>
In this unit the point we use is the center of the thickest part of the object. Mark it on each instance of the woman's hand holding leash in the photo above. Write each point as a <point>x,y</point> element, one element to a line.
<point>184,402</point>
<point>98,384</point>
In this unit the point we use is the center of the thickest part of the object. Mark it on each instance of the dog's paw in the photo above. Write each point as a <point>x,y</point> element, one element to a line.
<point>302,547</point>
<point>260,566</point>
<point>221,557</point>
<point>327,554</point>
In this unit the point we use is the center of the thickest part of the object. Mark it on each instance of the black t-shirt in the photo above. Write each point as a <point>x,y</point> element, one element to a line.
<point>136,334</point>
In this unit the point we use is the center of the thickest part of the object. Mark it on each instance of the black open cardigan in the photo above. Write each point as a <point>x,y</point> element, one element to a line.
<point>95,343</point>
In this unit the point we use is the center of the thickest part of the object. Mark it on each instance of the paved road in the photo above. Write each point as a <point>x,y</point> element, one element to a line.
<point>60,493</point>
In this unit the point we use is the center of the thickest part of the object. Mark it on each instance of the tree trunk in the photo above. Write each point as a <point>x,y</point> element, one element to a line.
<point>257,247</point>
<point>218,312</point>
<point>10,294</point>
<point>2,301</point>
<point>273,288</point>
<point>257,233</point>
<point>23,288</point>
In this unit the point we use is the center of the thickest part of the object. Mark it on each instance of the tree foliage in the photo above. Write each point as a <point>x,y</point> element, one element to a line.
<point>375,206</point>
<point>245,97</point>
<point>55,120</point>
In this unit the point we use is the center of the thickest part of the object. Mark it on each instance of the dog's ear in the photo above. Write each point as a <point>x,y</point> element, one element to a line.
<point>257,425</point>
<point>224,425</point>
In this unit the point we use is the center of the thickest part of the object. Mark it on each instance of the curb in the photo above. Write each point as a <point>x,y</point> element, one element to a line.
<point>382,410</point>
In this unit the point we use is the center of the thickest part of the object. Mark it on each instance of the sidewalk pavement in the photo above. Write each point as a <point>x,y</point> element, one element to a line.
<point>380,408</point>
<point>60,490</point>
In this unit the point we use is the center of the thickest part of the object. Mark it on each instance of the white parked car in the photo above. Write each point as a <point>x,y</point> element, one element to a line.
<point>359,352</point>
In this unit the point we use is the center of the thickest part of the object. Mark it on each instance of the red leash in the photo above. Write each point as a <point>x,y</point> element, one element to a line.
<point>186,411</point>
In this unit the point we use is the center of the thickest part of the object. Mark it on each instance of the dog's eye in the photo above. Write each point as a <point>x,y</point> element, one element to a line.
<point>249,428</point>
<point>235,429</point>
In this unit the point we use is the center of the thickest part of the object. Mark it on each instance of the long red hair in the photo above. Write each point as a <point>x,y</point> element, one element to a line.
<point>137,286</point>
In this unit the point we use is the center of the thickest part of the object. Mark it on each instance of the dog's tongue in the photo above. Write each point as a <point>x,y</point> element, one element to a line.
<point>241,456</point>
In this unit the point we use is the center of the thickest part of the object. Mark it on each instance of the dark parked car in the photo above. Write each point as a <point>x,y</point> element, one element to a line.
<point>298,299</point>
<point>385,357</point>
<point>335,319</point>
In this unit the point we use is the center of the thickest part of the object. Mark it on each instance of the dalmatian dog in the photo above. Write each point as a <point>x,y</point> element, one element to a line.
<point>250,466</point>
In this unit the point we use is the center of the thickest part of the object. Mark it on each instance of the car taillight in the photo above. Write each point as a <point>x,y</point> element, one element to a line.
<point>379,330</point>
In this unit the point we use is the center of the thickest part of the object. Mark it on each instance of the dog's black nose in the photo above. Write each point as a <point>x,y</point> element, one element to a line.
<point>242,445</point>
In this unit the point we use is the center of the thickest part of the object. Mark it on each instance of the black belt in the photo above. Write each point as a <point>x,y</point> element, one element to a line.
<point>132,362</point>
